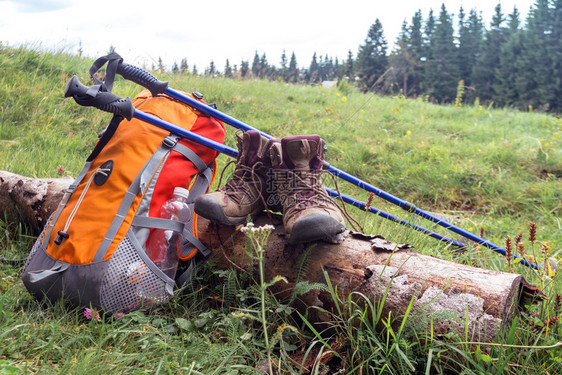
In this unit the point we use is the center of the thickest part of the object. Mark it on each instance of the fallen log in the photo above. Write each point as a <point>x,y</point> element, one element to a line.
<point>30,200</point>
<point>445,295</point>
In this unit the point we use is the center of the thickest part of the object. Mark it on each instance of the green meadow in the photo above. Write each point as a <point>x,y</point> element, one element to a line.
<point>491,171</point>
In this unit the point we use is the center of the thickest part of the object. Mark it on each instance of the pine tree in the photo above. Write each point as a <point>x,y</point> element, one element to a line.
<point>244,69</point>
<point>484,71</point>
<point>175,68</point>
<point>211,71</point>
<point>416,37</point>
<point>284,68</point>
<point>404,62</point>
<point>372,61</point>
<point>514,20</point>
<point>441,69</point>
<point>556,54</point>
<point>227,70</point>
<point>161,68</point>
<point>417,58</point>
<point>256,68</point>
<point>313,74</point>
<point>337,69</point>
<point>470,42</point>
<point>194,72</point>
<point>183,66</point>
<point>264,66</point>
<point>539,47</point>
<point>349,67</point>
<point>293,76</point>
<point>507,92</point>
<point>429,29</point>
<point>463,47</point>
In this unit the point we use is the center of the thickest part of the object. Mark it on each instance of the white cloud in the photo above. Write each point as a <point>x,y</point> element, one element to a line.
<point>40,6</point>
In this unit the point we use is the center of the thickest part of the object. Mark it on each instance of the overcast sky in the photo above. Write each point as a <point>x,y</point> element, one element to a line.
<point>204,31</point>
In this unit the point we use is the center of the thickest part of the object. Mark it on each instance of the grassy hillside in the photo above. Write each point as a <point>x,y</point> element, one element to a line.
<point>492,170</point>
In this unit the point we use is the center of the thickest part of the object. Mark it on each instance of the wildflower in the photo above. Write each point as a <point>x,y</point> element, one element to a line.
<point>545,248</point>
<point>250,227</point>
<point>521,249</point>
<point>508,253</point>
<point>61,170</point>
<point>408,132</point>
<point>344,99</point>
<point>518,238</point>
<point>338,94</point>
<point>558,304</point>
<point>119,315</point>
<point>532,232</point>
<point>476,248</point>
<point>369,201</point>
<point>91,314</point>
<point>445,176</point>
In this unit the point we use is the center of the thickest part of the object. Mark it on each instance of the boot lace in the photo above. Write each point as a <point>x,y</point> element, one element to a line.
<point>307,191</point>
<point>237,187</point>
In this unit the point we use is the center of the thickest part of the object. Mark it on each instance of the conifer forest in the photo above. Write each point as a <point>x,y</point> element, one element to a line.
<point>444,57</point>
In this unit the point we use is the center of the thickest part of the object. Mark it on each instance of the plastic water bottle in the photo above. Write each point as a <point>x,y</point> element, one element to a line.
<point>164,245</point>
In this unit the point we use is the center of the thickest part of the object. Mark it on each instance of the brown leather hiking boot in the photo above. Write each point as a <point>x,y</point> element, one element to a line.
<point>245,193</point>
<point>309,214</point>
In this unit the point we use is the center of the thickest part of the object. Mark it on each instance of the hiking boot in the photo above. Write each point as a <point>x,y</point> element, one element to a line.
<point>309,214</point>
<point>247,190</point>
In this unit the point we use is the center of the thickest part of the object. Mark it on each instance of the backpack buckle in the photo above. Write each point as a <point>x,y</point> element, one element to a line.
<point>169,141</point>
<point>61,237</point>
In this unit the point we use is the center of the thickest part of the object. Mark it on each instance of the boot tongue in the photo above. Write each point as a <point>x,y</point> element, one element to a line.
<point>300,152</point>
<point>275,153</point>
<point>249,144</point>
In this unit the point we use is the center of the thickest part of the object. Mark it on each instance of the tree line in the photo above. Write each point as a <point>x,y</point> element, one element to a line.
<point>510,63</point>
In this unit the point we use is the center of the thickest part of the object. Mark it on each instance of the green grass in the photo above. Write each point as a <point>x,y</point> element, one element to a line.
<point>494,170</point>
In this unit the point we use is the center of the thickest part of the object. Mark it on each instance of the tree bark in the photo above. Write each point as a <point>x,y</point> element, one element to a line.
<point>447,296</point>
<point>30,201</point>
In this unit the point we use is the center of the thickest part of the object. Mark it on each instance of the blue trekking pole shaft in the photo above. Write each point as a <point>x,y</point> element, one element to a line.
<point>413,209</point>
<point>364,206</point>
<point>156,86</point>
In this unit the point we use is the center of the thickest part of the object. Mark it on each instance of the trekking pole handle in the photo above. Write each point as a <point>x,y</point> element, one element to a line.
<point>93,97</point>
<point>143,78</point>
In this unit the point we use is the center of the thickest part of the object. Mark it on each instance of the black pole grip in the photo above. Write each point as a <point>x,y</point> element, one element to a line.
<point>143,78</point>
<point>93,97</point>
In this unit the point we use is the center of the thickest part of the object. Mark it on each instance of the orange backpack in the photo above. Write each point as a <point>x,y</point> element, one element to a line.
<point>93,249</point>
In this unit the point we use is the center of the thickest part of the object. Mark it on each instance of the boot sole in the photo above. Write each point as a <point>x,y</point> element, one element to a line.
<point>209,208</point>
<point>315,227</point>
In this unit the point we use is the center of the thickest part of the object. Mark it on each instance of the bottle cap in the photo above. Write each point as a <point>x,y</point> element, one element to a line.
<point>181,192</point>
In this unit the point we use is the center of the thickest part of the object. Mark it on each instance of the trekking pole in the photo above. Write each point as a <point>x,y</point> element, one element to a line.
<point>109,102</point>
<point>156,87</point>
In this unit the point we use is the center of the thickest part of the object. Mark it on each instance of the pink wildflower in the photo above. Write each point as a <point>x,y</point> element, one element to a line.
<point>118,315</point>
<point>91,314</point>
